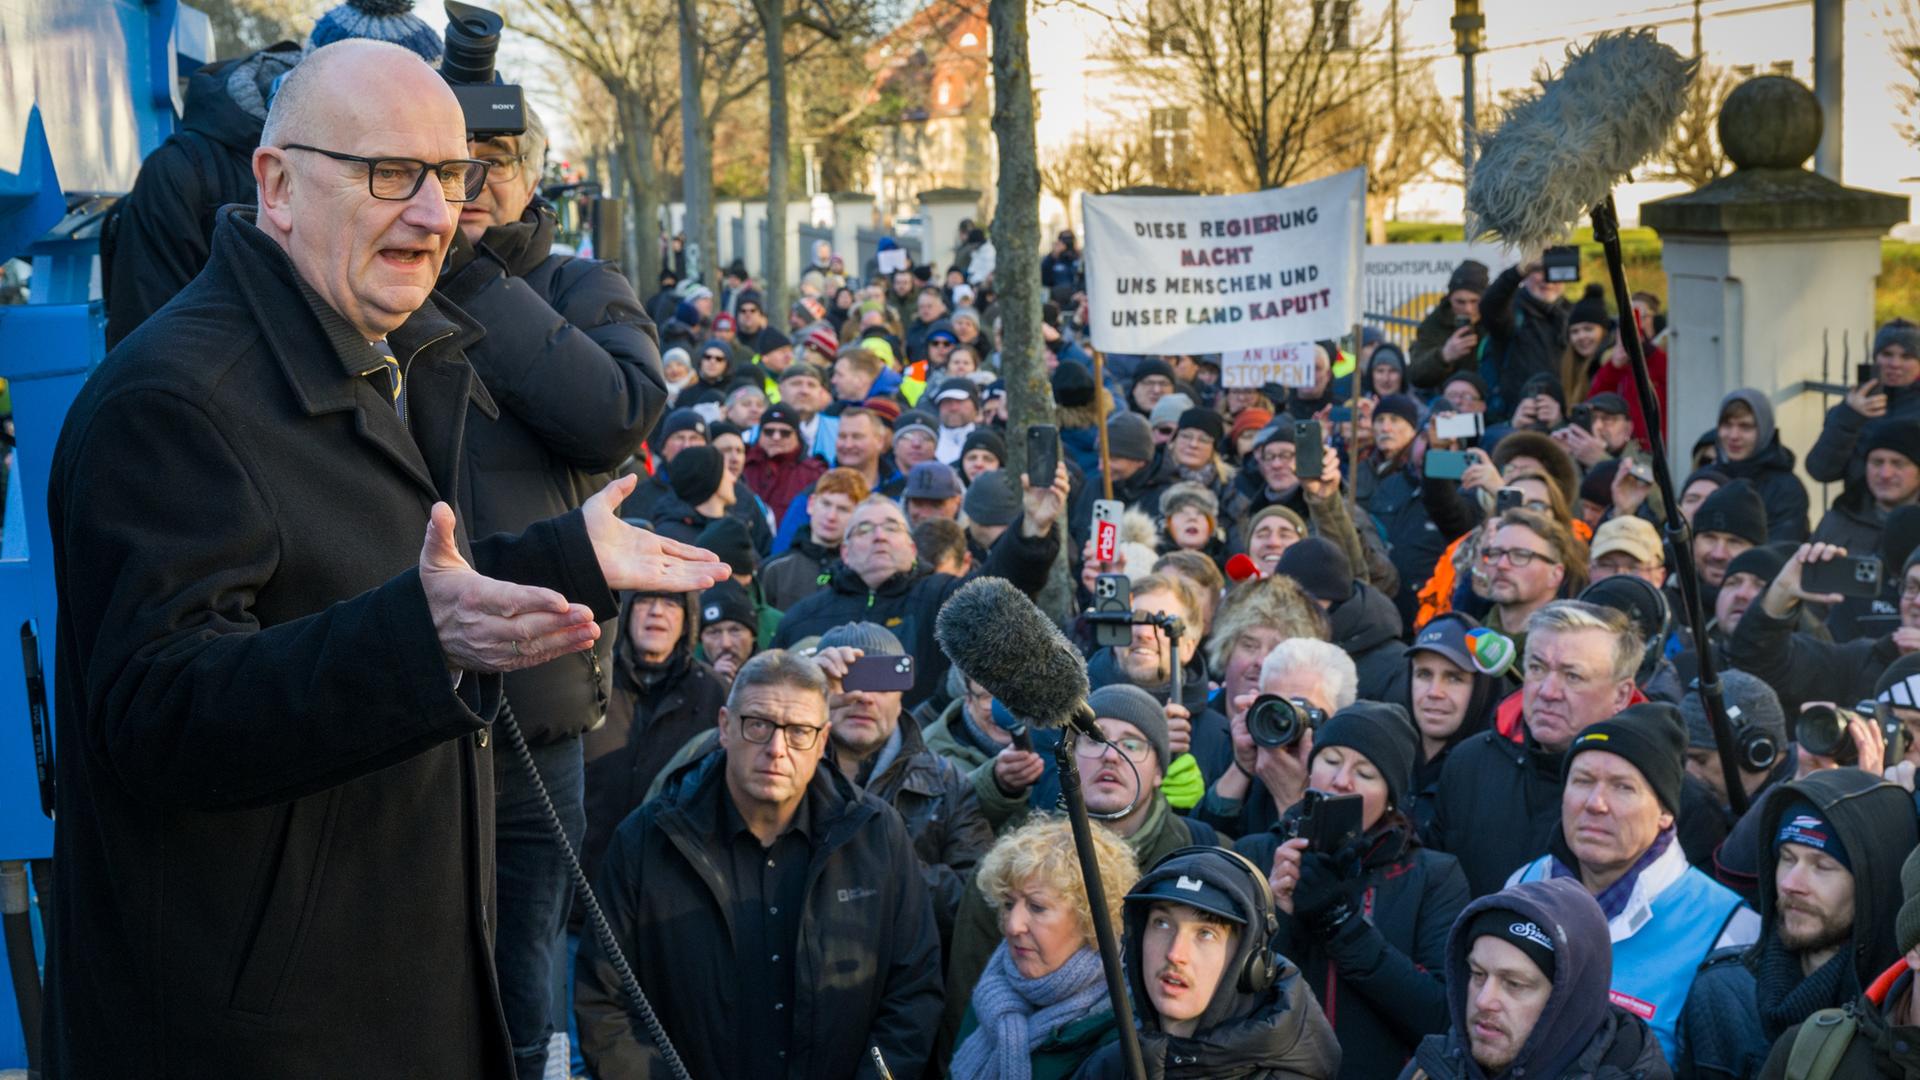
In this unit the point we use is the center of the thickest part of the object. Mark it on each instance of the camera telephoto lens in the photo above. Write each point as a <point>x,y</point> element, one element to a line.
<point>1274,721</point>
<point>1822,730</point>
<point>473,39</point>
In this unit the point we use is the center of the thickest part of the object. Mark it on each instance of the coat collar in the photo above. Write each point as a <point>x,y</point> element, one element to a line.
<point>331,378</point>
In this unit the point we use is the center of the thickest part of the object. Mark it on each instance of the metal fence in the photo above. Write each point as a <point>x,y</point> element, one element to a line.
<point>1395,309</point>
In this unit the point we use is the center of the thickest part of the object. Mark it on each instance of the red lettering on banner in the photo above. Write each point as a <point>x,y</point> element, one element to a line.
<point>1642,1009</point>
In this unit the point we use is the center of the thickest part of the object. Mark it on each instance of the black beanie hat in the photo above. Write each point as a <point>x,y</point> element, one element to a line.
<point>1902,436</point>
<point>986,439</point>
<point>1072,385</point>
<point>1321,568</point>
<point>1591,308</point>
<point>728,602</point>
<point>1471,379</point>
<point>1150,367</point>
<point>1597,487</point>
<point>1518,931</point>
<point>1802,823</point>
<point>1470,275</point>
<point>696,473</point>
<point>680,420</point>
<point>1203,420</point>
<point>727,538</point>
<point>1764,562</point>
<point>1651,736</point>
<point>1399,405</point>
<point>1546,383</point>
<point>1736,508</point>
<point>1380,731</point>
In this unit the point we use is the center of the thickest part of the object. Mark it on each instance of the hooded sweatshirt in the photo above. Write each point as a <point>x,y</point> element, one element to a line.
<point>1770,469</point>
<point>1278,1032</point>
<point>1579,1034</point>
<point>1743,1000</point>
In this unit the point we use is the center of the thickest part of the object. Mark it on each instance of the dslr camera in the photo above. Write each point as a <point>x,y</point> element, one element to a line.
<point>491,107</point>
<point>1275,721</point>
<point>1822,729</point>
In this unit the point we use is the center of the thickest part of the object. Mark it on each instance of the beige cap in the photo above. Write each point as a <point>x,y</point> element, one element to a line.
<point>1629,536</point>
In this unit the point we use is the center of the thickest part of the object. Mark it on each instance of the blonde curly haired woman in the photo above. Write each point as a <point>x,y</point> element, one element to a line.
<point>1040,1008</point>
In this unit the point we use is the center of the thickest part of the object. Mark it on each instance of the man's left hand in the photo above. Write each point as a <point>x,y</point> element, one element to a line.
<point>640,561</point>
<point>1043,506</point>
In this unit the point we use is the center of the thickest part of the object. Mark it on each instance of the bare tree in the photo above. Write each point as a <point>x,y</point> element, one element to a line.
<point>1905,43</point>
<point>615,42</point>
<point>1398,128</point>
<point>1693,155</point>
<point>1264,70</point>
<point>1097,166</point>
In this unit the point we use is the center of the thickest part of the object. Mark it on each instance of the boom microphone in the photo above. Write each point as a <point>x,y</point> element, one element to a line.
<point>1560,150</point>
<point>995,635</point>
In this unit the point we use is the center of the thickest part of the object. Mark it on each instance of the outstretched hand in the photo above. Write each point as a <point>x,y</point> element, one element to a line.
<point>640,561</point>
<point>489,625</point>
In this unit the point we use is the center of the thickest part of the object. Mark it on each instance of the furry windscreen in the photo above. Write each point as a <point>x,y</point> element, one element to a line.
<point>1562,148</point>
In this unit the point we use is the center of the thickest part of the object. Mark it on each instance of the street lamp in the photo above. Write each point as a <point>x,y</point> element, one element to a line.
<point>1469,38</point>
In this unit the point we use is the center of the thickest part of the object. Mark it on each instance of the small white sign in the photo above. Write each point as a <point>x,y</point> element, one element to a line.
<point>1288,365</point>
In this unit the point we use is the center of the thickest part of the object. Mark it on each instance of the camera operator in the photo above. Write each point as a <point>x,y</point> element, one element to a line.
<point>571,359</point>
<point>160,234</point>
<point>1269,769</point>
<point>1367,922</point>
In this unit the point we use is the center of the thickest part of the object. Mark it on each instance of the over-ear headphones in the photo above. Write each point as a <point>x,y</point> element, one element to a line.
<point>1262,968</point>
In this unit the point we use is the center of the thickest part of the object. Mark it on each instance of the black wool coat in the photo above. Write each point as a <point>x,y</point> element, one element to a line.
<point>274,851</point>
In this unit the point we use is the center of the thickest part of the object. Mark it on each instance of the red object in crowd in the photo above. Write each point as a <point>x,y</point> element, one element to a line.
<point>1620,380</point>
<point>777,480</point>
<point>1240,568</point>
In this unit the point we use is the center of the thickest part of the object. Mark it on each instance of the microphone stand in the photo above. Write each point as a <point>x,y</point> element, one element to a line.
<point>1606,230</point>
<point>1064,757</point>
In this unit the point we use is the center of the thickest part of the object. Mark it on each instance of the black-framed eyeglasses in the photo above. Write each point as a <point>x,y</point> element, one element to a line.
<point>759,729</point>
<point>1516,556</point>
<point>398,179</point>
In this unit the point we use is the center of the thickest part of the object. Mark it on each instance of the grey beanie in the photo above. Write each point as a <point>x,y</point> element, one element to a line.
<point>871,639</point>
<point>1130,436</point>
<point>1129,703</point>
<point>993,499</point>
<point>1898,332</point>
<point>1750,703</point>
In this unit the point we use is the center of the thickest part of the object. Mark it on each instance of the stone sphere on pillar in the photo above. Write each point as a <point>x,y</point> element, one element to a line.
<point>1770,122</point>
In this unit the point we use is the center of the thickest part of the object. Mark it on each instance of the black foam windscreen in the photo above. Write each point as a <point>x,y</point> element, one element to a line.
<point>994,633</point>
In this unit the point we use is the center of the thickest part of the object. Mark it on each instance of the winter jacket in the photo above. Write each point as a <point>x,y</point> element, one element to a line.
<point>935,799</point>
<point>1499,801</point>
<point>675,520</point>
<point>651,714</point>
<point>1414,542</point>
<point>1525,337</point>
<point>1367,626</point>
<point>1609,378</point>
<point>273,798</point>
<point>1836,456</point>
<point>1080,431</point>
<point>1426,367</point>
<point>1673,917</point>
<point>1379,976</point>
<point>795,575</point>
<point>976,928</point>
<point>1579,1035</point>
<point>866,969</point>
<point>570,360</point>
<point>907,602</point>
<point>1730,1023</point>
<point>160,234</point>
<point>653,487</point>
<point>1856,524</point>
<point>1770,470</point>
<point>779,478</point>
<point>1884,1046</point>
<point>1801,667</point>
<point>1275,1032</point>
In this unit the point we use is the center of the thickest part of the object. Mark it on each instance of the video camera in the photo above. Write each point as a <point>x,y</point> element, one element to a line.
<point>492,107</point>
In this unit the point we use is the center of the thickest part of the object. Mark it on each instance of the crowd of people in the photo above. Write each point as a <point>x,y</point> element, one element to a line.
<point>1405,770</point>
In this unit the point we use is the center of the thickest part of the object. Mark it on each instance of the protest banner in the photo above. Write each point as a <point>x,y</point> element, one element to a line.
<point>1287,365</point>
<point>1210,274</point>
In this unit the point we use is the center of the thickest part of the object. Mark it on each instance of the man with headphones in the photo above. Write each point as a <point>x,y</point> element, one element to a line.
<point>1211,994</point>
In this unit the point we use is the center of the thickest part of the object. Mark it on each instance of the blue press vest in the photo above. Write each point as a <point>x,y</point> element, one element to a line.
<point>1654,968</point>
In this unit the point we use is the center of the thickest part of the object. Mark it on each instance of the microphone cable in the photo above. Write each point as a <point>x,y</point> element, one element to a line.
<point>602,932</point>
